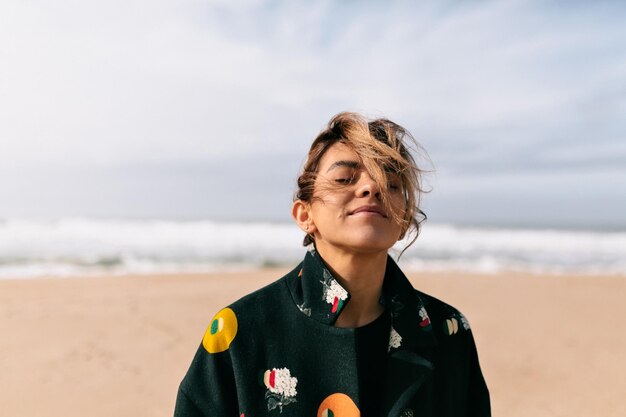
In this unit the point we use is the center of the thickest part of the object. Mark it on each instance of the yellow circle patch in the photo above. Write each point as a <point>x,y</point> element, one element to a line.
<point>338,405</point>
<point>221,331</point>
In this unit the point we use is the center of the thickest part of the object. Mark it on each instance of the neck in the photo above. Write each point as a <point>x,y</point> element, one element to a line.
<point>362,275</point>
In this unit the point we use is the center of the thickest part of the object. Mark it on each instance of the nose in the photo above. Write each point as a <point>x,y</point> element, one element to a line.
<point>367,186</point>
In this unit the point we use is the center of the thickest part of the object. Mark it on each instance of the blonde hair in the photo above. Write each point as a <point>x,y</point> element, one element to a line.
<point>384,148</point>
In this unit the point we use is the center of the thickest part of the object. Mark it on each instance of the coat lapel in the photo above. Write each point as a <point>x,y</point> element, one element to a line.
<point>411,340</point>
<point>315,291</point>
<point>405,374</point>
<point>320,296</point>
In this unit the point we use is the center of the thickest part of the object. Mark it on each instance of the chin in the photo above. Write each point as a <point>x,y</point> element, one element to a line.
<point>372,243</point>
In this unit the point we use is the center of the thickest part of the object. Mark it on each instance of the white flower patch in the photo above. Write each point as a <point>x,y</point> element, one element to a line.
<point>425,320</point>
<point>395,340</point>
<point>284,383</point>
<point>464,322</point>
<point>334,290</point>
<point>333,293</point>
<point>281,388</point>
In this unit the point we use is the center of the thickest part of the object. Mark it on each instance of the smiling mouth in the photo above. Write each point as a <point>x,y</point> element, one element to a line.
<point>369,211</point>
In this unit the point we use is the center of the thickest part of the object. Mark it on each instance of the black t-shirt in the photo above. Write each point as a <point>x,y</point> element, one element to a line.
<point>372,341</point>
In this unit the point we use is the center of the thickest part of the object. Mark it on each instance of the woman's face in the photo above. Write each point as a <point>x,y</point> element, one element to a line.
<point>347,212</point>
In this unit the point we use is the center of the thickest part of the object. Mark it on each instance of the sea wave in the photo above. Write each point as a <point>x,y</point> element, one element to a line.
<point>87,247</point>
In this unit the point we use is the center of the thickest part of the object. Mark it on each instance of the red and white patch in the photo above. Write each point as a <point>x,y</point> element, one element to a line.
<point>424,316</point>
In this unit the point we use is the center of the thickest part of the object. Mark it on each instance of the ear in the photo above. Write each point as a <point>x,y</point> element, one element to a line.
<point>301,213</point>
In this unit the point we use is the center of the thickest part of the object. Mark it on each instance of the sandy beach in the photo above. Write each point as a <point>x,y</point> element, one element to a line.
<point>119,346</point>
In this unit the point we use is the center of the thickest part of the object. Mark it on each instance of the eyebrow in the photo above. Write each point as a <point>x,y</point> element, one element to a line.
<point>342,163</point>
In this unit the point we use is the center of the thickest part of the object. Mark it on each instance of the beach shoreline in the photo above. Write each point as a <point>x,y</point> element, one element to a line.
<point>549,345</point>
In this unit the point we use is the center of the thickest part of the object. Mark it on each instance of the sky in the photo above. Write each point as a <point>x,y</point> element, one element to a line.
<point>194,109</point>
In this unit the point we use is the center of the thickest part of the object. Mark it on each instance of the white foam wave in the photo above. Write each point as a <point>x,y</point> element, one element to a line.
<point>83,246</point>
<point>493,250</point>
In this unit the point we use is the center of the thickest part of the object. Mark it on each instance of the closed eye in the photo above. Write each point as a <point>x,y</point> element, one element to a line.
<point>344,180</point>
<point>394,183</point>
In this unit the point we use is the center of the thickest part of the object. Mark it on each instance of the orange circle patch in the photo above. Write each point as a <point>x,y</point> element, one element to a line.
<point>338,405</point>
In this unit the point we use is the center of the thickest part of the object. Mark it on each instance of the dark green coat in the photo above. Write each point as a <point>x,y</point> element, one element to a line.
<point>276,352</point>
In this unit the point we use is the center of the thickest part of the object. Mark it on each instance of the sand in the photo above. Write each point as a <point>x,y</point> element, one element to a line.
<point>119,346</point>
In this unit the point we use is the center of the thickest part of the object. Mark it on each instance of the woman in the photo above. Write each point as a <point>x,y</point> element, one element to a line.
<point>344,334</point>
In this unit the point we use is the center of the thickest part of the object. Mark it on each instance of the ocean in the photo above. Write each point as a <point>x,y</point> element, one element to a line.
<point>91,247</point>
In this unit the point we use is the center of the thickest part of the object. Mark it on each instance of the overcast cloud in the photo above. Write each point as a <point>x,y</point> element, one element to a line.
<point>206,109</point>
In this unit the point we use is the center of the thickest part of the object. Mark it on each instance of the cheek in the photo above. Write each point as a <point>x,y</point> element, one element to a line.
<point>398,204</point>
<point>325,213</point>
<point>332,211</point>
<point>331,205</point>
<point>400,211</point>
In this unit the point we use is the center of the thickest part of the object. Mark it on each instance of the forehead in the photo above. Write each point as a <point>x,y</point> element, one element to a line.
<point>337,152</point>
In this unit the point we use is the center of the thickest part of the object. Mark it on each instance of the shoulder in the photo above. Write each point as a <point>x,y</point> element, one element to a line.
<point>249,315</point>
<point>257,307</point>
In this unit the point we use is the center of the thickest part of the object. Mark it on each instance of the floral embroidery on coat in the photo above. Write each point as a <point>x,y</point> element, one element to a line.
<point>281,388</point>
<point>425,320</point>
<point>395,340</point>
<point>304,309</point>
<point>334,294</point>
<point>451,325</point>
<point>407,413</point>
<point>464,321</point>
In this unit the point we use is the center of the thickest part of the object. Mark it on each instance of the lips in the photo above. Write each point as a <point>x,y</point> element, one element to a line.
<point>369,209</point>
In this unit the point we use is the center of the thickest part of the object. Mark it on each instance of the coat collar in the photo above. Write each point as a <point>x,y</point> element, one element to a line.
<point>319,295</point>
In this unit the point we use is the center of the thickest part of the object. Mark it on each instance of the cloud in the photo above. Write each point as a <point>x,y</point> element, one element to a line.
<point>488,87</point>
